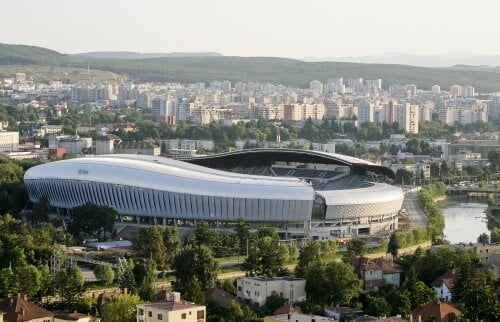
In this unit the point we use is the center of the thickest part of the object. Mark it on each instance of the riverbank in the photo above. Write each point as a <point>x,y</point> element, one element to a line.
<point>493,213</point>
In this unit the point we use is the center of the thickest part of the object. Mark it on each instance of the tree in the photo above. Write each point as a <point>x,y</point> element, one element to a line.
<point>145,275</point>
<point>483,239</point>
<point>392,246</point>
<point>378,306</point>
<point>69,283</point>
<point>342,283</point>
<point>274,302</point>
<point>172,243</point>
<point>194,261</point>
<point>8,282</point>
<point>265,257</point>
<point>243,235</point>
<point>355,247</point>
<point>29,280</point>
<point>481,304</point>
<point>105,274</point>
<point>41,210</point>
<point>419,293</point>
<point>494,157</point>
<point>126,280</point>
<point>91,219</point>
<point>150,244</point>
<point>122,309</point>
<point>495,234</point>
<point>403,176</point>
<point>193,292</point>
<point>309,256</point>
<point>202,235</point>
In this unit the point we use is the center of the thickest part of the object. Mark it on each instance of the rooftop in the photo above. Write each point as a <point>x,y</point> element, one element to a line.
<point>18,309</point>
<point>173,306</point>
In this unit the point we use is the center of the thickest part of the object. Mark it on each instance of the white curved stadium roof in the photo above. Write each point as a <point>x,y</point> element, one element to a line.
<point>171,175</point>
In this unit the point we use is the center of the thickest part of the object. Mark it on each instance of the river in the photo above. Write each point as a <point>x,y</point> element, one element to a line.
<point>465,221</point>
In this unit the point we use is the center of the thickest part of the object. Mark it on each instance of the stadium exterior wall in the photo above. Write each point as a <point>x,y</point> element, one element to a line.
<point>169,189</point>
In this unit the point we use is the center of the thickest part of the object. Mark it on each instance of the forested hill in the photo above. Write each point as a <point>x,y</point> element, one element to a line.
<point>136,55</point>
<point>292,72</point>
<point>259,69</point>
<point>31,55</point>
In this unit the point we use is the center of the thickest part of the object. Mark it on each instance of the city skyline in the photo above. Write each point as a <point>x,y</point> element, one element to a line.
<point>297,30</point>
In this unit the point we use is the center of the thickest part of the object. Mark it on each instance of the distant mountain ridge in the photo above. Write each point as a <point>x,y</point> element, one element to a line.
<point>138,55</point>
<point>438,60</point>
<point>291,72</point>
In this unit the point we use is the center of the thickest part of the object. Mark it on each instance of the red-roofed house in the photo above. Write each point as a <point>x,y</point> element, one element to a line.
<point>436,310</point>
<point>72,317</point>
<point>286,309</point>
<point>18,309</point>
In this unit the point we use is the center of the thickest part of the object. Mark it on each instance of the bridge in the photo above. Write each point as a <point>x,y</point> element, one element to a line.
<point>474,192</point>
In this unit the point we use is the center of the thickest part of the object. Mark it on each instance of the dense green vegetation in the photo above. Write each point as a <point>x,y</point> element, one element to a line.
<point>435,219</point>
<point>289,72</point>
<point>22,54</point>
<point>259,69</point>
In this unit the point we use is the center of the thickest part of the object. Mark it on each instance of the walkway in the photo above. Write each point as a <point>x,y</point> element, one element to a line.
<point>418,219</point>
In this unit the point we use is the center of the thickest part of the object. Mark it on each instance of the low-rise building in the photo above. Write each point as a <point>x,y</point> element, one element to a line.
<point>72,317</point>
<point>297,317</point>
<point>17,308</point>
<point>174,310</point>
<point>376,272</point>
<point>75,145</point>
<point>343,313</point>
<point>9,141</point>
<point>139,147</point>
<point>106,144</point>
<point>443,286</point>
<point>255,290</point>
<point>436,310</point>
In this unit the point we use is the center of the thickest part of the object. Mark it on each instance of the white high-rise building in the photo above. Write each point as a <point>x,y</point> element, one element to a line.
<point>456,90</point>
<point>425,114</point>
<point>410,114</point>
<point>468,91</point>
<point>365,112</point>
<point>316,86</point>
<point>374,85</point>
<point>436,89</point>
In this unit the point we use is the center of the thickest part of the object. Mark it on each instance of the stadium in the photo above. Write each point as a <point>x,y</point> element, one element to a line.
<point>300,193</point>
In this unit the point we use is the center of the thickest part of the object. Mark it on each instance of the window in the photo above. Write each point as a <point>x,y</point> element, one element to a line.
<point>150,314</point>
<point>183,316</point>
<point>141,311</point>
<point>370,272</point>
<point>239,288</point>
<point>160,316</point>
<point>200,314</point>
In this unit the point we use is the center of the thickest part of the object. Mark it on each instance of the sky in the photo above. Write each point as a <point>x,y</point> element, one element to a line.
<point>281,28</point>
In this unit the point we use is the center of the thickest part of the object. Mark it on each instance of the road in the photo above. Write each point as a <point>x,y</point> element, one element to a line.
<point>418,218</point>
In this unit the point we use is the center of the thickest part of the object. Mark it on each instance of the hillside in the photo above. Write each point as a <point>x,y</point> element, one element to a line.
<point>136,55</point>
<point>292,72</point>
<point>41,73</point>
<point>260,69</point>
<point>24,55</point>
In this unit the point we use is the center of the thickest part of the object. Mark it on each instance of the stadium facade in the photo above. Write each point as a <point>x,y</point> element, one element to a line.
<point>301,193</point>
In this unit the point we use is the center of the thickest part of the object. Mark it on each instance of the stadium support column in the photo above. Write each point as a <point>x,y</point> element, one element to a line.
<point>308,229</point>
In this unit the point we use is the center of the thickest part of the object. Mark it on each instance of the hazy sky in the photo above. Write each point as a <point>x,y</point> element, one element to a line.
<point>287,28</point>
